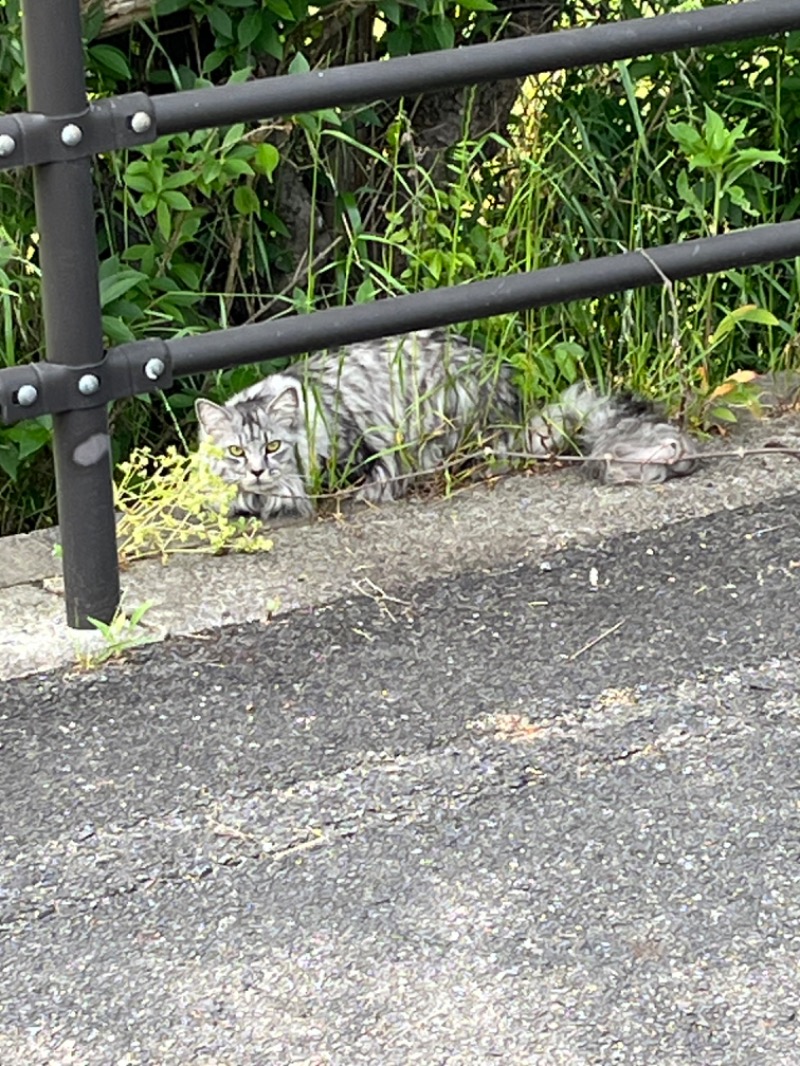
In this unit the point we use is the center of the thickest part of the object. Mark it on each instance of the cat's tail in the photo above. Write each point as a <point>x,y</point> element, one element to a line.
<point>623,437</point>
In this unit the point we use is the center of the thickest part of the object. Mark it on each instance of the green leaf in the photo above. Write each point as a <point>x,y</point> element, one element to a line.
<point>146,204</point>
<point>748,313</point>
<point>327,114</point>
<point>434,261</point>
<point>366,292</point>
<point>723,414</point>
<point>233,136</point>
<point>716,135</point>
<point>299,64</point>
<point>175,181</point>
<point>687,137</point>
<point>138,166</point>
<point>249,28</point>
<point>109,268</point>
<point>276,224</point>
<point>181,402</point>
<point>139,183</point>
<point>245,200</point>
<point>151,168</point>
<point>567,357</point>
<point>266,159</point>
<point>281,9</point>
<point>689,197</point>
<point>117,330</point>
<point>269,42</point>
<point>125,279</point>
<point>9,460</point>
<point>245,150</point>
<point>178,201</point>
<point>188,274</point>
<point>390,9</point>
<point>177,299</point>
<point>214,60</point>
<point>704,160</point>
<point>220,22</point>
<point>241,75</point>
<point>349,205</point>
<point>309,122</point>
<point>737,196</point>
<point>92,21</point>
<point>164,219</point>
<point>444,32</point>
<point>398,42</point>
<point>169,7</point>
<point>144,254</point>
<point>111,59</point>
<point>127,310</point>
<point>171,311</point>
<point>751,156</point>
<point>30,438</point>
<point>211,171</point>
<point>237,168</point>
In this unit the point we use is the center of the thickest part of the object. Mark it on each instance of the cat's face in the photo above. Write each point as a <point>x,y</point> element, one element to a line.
<point>253,441</point>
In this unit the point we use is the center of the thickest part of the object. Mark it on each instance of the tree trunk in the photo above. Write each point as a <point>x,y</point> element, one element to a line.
<point>119,13</point>
<point>438,118</point>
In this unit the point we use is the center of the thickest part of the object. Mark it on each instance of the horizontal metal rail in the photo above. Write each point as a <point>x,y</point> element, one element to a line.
<point>363,83</point>
<point>141,366</point>
<point>479,299</point>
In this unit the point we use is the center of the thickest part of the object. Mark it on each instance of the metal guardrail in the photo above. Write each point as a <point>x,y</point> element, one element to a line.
<point>62,131</point>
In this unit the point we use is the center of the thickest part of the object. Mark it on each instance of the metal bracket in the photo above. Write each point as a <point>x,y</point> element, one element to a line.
<point>44,388</point>
<point>29,138</point>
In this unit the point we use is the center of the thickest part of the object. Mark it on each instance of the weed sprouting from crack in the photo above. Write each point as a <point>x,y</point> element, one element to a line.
<point>124,632</point>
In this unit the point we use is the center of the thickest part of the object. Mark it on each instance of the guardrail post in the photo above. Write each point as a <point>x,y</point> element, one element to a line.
<point>56,83</point>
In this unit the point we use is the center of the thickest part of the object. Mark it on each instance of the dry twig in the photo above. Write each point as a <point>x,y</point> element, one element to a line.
<point>596,640</point>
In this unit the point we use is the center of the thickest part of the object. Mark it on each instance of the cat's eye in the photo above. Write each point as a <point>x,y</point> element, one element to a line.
<point>236,451</point>
<point>273,446</point>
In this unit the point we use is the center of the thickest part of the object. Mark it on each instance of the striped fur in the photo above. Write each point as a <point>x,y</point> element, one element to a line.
<point>382,411</point>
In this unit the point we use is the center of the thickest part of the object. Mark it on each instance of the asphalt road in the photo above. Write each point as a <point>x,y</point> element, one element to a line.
<point>541,815</point>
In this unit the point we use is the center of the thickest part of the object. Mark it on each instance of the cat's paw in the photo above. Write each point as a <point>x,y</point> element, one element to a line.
<point>379,486</point>
<point>648,455</point>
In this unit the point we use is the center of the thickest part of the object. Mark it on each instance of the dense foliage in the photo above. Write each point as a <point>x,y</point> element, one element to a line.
<point>227,226</point>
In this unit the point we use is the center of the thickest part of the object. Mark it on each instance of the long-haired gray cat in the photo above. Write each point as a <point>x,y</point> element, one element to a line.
<point>379,412</point>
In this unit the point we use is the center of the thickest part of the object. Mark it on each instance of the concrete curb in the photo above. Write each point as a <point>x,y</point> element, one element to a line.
<point>376,552</point>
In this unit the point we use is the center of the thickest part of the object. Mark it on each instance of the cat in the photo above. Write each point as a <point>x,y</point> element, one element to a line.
<point>379,412</point>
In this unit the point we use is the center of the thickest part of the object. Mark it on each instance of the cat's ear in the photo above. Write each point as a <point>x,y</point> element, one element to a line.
<point>285,408</point>
<point>213,418</point>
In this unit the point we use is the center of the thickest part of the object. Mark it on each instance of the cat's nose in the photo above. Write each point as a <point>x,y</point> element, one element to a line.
<point>257,473</point>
